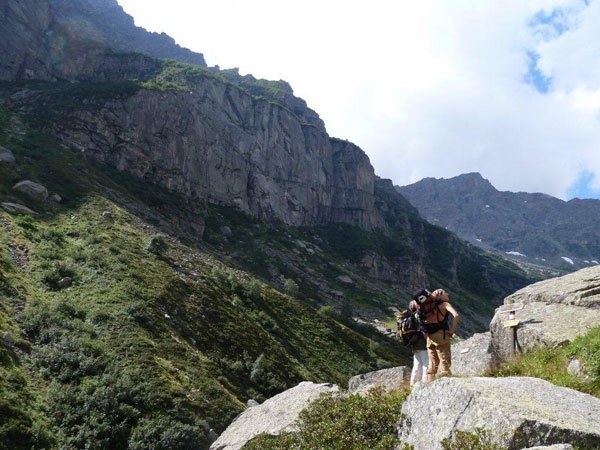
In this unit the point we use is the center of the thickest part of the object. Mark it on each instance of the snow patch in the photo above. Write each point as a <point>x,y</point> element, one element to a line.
<point>516,254</point>
<point>569,260</point>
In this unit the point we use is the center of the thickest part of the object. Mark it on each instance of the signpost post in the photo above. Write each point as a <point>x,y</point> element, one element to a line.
<point>511,322</point>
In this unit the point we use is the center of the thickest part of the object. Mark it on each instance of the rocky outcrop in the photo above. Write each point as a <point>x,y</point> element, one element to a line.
<point>395,378</point>
<point>519,413</point>
<point>473,356</point>
<point>50,39</point>
<point>33,190</point>
<point>274,416</point>
<point>6,156</point>
<point>555,312</point>
<point>581,288</point>
<point>16,209</point>
<point>218,143</point>
<point>221,140</point>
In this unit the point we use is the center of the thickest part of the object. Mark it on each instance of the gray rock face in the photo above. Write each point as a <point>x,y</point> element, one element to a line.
<point>219,143</point>
<point>272,159</point>
<point>388,379</point>
<point>581,288</point>
<point>520,412</point>
<point>6,156</point>
<point>33,190</point>
<point>547,306</point>
<point>16,209</point>
<point>473,356</point>
<point>34,36</point>
<point>274,416</point>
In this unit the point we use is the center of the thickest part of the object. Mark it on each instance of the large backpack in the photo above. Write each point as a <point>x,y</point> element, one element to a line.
<point>409,330</point>
<point>425,309</point>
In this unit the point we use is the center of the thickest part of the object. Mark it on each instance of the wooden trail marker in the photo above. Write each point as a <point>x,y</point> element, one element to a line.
<point>511,321</point>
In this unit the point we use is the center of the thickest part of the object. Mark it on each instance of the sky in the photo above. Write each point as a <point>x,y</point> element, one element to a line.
<point>428,88</point>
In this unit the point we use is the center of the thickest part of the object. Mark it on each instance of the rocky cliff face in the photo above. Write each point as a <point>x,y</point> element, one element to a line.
<point>56,39</point>
<point>218,141</point>
<point>533,228</point>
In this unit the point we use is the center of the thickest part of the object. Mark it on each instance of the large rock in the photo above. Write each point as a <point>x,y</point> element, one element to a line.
<point>17,209</point>
<point>555,312</point>
<point>520,413</point>
<point>274,416</point>
<point>387,379</point>
<point>33,190</point>
<point>473,356</point>
<point>581,288</point>
<point>6,156</point>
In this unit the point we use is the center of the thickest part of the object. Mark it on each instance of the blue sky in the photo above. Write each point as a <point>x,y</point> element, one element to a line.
<point>434,88</point>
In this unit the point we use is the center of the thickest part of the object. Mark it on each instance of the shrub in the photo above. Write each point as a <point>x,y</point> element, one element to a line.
<point>336,423</point>
<point>163,433</point>
<point>290,287</point>
<point>327,311</point>
<point>156,245</point>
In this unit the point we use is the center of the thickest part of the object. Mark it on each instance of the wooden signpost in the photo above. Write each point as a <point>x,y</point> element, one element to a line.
<point>511,321</point>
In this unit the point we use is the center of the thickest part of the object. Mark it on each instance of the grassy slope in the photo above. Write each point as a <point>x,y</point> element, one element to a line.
<point>150,340</point>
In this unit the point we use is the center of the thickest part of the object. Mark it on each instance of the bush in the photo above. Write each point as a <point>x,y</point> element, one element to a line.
<point>163,433</point>
<point>290,287</point>
<point>327,311</point>
<point>343,423</point>
<point>156,245</point>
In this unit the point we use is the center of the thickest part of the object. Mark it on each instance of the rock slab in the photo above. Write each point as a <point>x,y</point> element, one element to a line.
<point>274,416</point>
<point>520,412</point>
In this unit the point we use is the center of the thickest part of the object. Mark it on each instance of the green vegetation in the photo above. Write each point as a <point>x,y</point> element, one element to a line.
<point>336,422</point>
<point>551,365</point>
<point>152,342</point>
<point>480,439</point>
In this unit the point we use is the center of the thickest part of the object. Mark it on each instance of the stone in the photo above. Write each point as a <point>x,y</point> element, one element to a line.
<point>345,279</point>
<point>549,305</point>
<point>33,190</point>
<point>276,415</point>
<point>64,283</point>
<point>394,378</point>
<point>6,156</point>
<point>519,411</point>
<point>473,356</point>
<point>16,209</point>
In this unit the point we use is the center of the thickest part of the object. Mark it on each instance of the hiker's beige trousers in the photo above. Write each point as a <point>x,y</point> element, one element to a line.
<point>439,352</point>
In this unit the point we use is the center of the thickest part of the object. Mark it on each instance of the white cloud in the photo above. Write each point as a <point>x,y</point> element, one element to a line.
<point>428,88</point>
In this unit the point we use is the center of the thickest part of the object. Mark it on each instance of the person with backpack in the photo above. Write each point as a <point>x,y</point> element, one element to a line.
<point>419,349</point>
<point>434,311</point>
<point>411,335</point>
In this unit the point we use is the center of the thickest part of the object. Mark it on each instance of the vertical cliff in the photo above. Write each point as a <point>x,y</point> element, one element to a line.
<point>220,137</point>
<point>219,143</point>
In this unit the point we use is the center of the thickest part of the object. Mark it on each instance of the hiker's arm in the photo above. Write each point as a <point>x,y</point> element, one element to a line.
<point>455,315</point>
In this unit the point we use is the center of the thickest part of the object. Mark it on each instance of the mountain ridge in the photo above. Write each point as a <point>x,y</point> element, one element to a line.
<point>534,227</point>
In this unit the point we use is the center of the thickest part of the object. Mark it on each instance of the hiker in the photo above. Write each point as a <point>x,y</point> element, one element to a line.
<point>434,310</point>
<point>420,355</point>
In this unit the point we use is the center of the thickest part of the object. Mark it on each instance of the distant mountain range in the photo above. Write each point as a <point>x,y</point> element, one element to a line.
<point>528,228</point>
